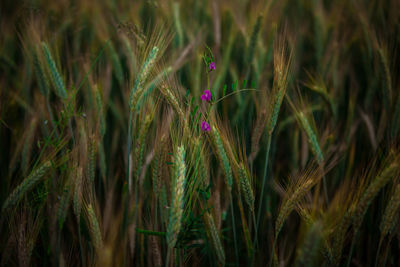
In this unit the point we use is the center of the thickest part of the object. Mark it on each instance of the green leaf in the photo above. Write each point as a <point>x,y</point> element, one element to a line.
<point>234,85</point>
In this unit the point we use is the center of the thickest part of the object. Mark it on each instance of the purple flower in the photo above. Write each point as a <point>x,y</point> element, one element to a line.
<point>206,96</point>
<point>205,127</point>
<point>212,66</point>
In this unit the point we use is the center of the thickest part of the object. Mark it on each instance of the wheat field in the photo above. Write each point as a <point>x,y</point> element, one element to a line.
<point>200,133</point>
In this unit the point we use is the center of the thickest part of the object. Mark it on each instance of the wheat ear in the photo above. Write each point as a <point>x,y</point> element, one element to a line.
<point>246,186</point>
<point>94,228</point>
<point>56,77</point>
<point>390,216</point>
<point>215,239</point>
<point>142,77</point>
<point>373,189</point>
<point>77,198</point>
<point>64,204</point>
<point>223,157</point>
<point>175,216</point>
<point>26,185</point>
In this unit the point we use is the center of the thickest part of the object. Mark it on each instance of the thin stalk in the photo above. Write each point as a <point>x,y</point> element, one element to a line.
<point>272,252</point>
<point>80,244</point>
<point>237,91</point>
<point>234,230</point>
<point>51,117</point>
<point>149,232</point>
<point>262,187</point>
<point>58,246</point>
<point>386,253</point>
<point>129,150</point>
<point>377,252</point>
<point>325,190</point>
<point>353,243</point>
<point>125,224</point>
<point>255,244</point>
<point>168,257</point>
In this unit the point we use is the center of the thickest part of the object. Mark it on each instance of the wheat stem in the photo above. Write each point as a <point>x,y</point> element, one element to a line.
<point>234,229</point>
<point>261,200</point>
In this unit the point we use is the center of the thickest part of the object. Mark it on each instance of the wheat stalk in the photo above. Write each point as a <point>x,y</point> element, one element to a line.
<point>163,199</point>
<point>156,251</point>
<point>201,165</point>
<point>387,81</point>
<point>281,72</point>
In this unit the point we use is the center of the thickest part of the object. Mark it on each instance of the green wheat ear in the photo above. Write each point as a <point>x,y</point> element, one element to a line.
<point>223,157</point>
<point>290,203</point>
<point>370,193</point>
<point>215,239</point>
<point>100,111</point>
<point>141,144</point>
<point>55,75</point>
<point>64,205</point>
<point>40,75</point>
<point>26,185</point>
<point>390,216</point>
<point>311,137</point>
<point>175,216</point>
<point>246,186</point>
<point>77,195</point>
<point>159,159</point>
<point>94,228</point>
<point>140,80</point>
<point>92,149</point>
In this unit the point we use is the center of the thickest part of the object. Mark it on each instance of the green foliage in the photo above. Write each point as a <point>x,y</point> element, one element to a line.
<point>104,161</point>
